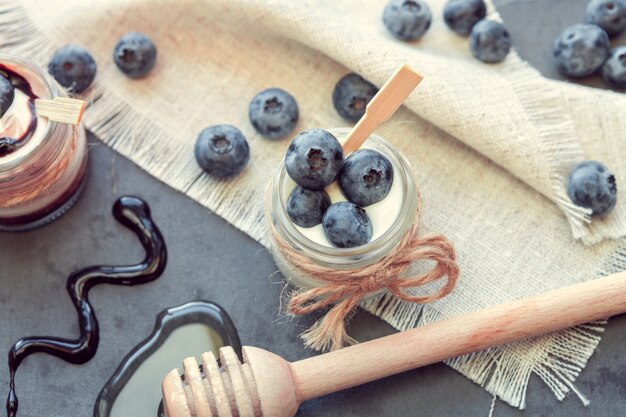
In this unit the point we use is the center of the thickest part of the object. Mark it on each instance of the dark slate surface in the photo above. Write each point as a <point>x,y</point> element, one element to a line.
<point>209,259</point>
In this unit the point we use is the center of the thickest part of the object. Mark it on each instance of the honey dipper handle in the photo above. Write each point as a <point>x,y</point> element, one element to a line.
<point>501,324</point>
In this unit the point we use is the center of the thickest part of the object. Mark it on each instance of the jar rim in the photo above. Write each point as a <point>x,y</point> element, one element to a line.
<point>364,254</point>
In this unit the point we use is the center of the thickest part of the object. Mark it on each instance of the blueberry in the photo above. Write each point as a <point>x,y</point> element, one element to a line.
<point>273,113</point>
<point>462,15</point>
<point>73,67</point>
<point>351,96</point>
<point>307,207</point>
<point>614,69</point>
<point>581,49</point>
<point>314,159</point>
<point>135,54</point>
<point>407,20</point>
<point>7,93</point>
<point>591,185</point>
<point>347,225</point>
<point>366,177</point>
<point>7,145</point>
<point>222,150</point>
<point>610,15</point>
<point>490,41</point>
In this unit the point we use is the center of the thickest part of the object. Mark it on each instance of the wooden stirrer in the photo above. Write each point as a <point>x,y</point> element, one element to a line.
<point>266,385</point>
<point>385,103</point>
<point>61,109</point>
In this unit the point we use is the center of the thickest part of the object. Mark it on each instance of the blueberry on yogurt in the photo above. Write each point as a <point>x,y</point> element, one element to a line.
<point>407,20</point>
<point>306,207</point>
<point>7,94</point>
<point>592,186</point>
<point>610,15</point>
<point>490,41</point>
<point>135,54</point>
<point>581,49</point>
<point>73,67</point>
<point>273,113</point>
<point>222,150</point>
<point>366,177</point>
<point>462,15</point>
<point>614,69</point>
<point>351,96</point>
<point>347,225</point>
<point>314,159</point>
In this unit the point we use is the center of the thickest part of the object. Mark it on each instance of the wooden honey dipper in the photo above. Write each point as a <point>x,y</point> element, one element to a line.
<point>266,385</point>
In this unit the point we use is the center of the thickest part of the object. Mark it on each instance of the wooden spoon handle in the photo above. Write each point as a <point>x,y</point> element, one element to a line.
<point>501,324</point>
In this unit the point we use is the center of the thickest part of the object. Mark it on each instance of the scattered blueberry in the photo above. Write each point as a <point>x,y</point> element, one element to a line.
<point>347,225</point>
<point>366,177</point>
<point>462,15</point>
<point>407,20</point>
<point>314,159</point>
<point>307,207</point>
<point>610,15</point>
<point>614,69</point>
<point>7,93</point>
<point>581,49</point>
<point>490,41</point>
<point>591,185</point>
<point>135,54</point>
<point>273,113</point>
<point>351,96</point>
<point>73,67</point>
<point>222,150</point>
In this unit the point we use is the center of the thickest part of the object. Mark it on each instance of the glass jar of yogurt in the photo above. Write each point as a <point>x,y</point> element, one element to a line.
<point>391,219</point>
<point>42,162</point>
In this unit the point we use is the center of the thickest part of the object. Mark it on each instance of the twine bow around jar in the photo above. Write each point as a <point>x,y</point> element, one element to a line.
<point>343,289</point>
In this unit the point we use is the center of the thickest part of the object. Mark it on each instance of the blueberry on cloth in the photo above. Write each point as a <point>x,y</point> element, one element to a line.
<point>307,207</point>
<point>490,41</point>
<point>135,54</point>
<point>592,186</point>
<point>351,96</point>
<point>407,20</point>
<point>222,150</point>
<point>610,15</point>
<point>7,93</point>
<point>614,69</point>
<point>73,67</point>
<point>347,225</point>
<point>366,177</point>
<point>462,15</point>
<point>581,49</point>
<point>273,113</point>
<point>314,159</point>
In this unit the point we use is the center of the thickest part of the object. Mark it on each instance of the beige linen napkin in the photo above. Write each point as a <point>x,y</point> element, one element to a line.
<point>490,144</point>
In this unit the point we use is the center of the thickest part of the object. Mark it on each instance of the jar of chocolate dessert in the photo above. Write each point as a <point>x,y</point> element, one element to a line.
<point>42,162</point>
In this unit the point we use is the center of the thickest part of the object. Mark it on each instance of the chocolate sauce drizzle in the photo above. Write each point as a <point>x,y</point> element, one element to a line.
<point>133,213</point>
<point>9,144</point>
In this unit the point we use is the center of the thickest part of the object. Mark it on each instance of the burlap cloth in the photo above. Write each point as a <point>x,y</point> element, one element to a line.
<point>489,144</point>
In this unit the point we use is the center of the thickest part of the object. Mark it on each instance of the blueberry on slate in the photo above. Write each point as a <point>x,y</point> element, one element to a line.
<point>7,93</point>
<point>591,185</point>
<point>610,15</point>
<point>407,20</point>
<point>462,15</point>
<point>366,177</point>
<point>314,159</point>
<point>614,69</point>
<point>490,41</point>
<point>347,225</point>
<point>73,67</point>
<point>581,49</point>
<point>135,54</point>
<point>273,113</point>
<point>307,207</point>
<point>351,96</point>
<point>222,150</point>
